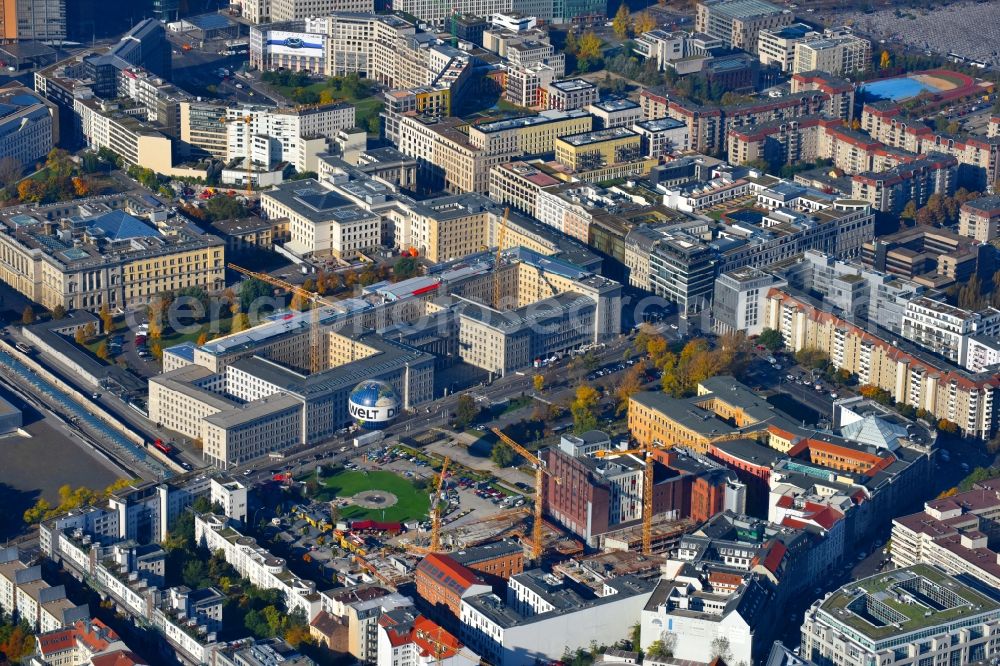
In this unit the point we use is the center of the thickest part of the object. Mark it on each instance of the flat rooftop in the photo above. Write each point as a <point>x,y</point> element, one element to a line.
<point>572,85</point>
<point>615,105</point>
<point>891,605</point>
<point>742,9</point>
<point>597,136</point>
<point>528,121</point>
<point>660,125</point>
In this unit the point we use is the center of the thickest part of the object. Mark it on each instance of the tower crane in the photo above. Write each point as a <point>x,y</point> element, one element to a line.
<point>501,234</point>
<point>436,509</point>
<point>540,472</point>
<point>647,488</point>
<point>246,120</point>
<point>646,452</point>
<point>315,357</point>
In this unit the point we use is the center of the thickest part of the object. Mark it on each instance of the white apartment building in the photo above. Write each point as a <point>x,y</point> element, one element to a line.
<point>836,52</point>
<point>907,617</point>
<point>568,94</point>
<point>256,564</point>
<point>231,495</point>
<point>984,353</point>
<point>24,593</point>
<point>26,125</point>
<point>777,46</point>
<point>662,137</point>
<point>615,113</point>
<point>407,639</point>
<point>322,222</point>
<point>689,614</point>
<point>544,615</point>
<point>980,219</point>
<point>945,329</point>
<point>292,10</point>
<point>271,136</point>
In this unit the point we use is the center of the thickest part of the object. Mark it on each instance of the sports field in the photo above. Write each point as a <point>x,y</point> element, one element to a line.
<point>411,503</point>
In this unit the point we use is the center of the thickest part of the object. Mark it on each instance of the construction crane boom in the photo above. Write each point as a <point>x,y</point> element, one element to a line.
<point>540,472</point>
<point>436,510</point>
<point>501,235</point>
<point>646,451</point>
<point>315,356</point>
<point>647,490</point>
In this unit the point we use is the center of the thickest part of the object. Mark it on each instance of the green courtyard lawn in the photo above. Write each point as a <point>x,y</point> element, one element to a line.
<point>412,504</point>
<point>367,102</point>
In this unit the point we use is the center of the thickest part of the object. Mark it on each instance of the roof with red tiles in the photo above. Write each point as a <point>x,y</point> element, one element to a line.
<point>119,658</point>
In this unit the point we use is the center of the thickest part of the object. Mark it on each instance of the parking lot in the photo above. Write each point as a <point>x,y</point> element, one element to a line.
<point>468,498</point>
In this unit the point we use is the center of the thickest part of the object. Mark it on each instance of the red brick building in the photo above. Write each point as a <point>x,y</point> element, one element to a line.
<point>442,582</point>
<point>496,561</point>
<point>593,497</point>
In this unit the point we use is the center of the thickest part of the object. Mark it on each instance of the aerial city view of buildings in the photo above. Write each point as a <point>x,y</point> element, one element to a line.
<point>502,332</point>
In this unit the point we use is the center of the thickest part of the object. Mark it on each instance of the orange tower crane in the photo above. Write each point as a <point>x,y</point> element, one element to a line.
<point>646,452</point>
<point>540,472</point>
<point>315,356</point>
<point>436,509</point>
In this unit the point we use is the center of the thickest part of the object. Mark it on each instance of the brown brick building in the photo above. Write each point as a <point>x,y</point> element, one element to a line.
<point>442,583</point>
<point>497,560</point>
<point>595,496</point>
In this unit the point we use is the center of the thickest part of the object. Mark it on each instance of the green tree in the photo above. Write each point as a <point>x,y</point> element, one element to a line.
<point>405,268</point>
<point>502,455</point>
<point>225,207</point>
<point>571,44</point>
<point>466,411</point>
<point>251,290</point>
<point>771,339</point>
<point>622,22</point>
<point>582,408</point>
<point>58,312</point>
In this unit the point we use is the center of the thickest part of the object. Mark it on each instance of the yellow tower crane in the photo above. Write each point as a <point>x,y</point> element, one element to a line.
<point>646,452</point>
<point>647,489</point>
<point>436,509</point>
<point>315,356</point>
<point>540,472</point>
<point>246,120</point>
<point>501,235</point>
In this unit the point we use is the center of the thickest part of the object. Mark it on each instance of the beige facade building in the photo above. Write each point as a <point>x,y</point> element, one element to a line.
<point>738,22</point>
<point>912,377</point>
<point>836,52</point>
<point>103,256</point>
<point>460,161</point>
<point>980,219</point>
